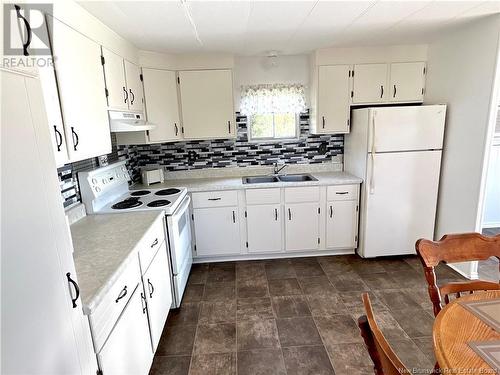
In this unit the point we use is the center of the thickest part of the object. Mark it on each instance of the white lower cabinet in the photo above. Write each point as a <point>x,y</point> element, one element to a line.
<point>216,230</point>
<point>341,224</point>
<point>127,349</point>
<point>264,228</point>
<point>302,226</point>
<point>157,288</point>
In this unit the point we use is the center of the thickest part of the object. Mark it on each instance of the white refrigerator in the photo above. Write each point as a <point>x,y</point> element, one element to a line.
<point>397,152</point>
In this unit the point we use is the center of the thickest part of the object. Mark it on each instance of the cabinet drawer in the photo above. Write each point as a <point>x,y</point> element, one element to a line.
<point>263,196</point>
<point>302,194</point>
<point>342,193</point>
<point>215,199</point>
<point>109,309</point>
<point>151,242</point>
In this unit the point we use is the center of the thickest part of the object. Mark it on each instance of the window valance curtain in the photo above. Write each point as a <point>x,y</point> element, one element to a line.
<point>272,98</point>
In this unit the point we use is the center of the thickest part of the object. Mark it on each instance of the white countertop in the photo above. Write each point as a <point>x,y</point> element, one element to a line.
<point>233,183</point>
<point>104,245</point>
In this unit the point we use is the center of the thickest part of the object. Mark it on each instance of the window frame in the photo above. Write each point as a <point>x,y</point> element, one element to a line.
<point>273,138</point>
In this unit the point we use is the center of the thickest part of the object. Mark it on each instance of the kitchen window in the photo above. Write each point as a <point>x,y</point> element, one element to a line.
<point>272,110</point>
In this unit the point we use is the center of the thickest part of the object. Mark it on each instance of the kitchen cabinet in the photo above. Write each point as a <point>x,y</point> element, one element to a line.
<point>216,230</point>
<point>207,104</point>
<point>264,228</point>
<point>128,348</point>
<point>370,83</point>
<point>333,111</point>
<point>77,63</point>
<point>302,226</point>
<point>162,105</point>
<point>407,82</point>
<point>123,82</point>
<point>341,224</point>
<point>157,288</point>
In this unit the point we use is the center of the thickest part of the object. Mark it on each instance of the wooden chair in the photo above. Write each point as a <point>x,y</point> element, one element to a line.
<point>385,361</point>
<point>454,248</point>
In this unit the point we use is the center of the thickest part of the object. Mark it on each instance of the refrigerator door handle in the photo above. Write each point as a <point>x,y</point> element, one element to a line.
<point>372,159</point>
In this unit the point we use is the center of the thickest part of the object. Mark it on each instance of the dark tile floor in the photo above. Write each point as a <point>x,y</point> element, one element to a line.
<point>296,316</point>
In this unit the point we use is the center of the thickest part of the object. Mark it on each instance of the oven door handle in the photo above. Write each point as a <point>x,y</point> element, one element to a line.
<point>183,206</point>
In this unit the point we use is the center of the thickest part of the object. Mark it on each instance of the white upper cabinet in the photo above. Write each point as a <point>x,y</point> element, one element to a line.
<point>207,104</point>
<point>114,72</point>
<point>162,106</point>
<point>333,99</point>
<point>370,83</point>
<point>81,92</point>
<point>407,82</point>
<point>134,86</point>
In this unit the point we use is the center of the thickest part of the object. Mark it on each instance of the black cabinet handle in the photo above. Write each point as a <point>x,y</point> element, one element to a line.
<point>77,289</point>
<point>151,289</point>
<point>74,135</point>
<point>289,214</point>
<point>145,304</point>
<point>132,97</point>
<point>28,30</point>
<point>125,94</point>
<point>229,126</point>
<point>59,139</point>
<point>381,91</point>
<point>176,129</point>
<point>276,214</point>
<point>395,90</point>
<point>323,118</point>
<point>214,199</point>
<point>331,211</point>
<point>234,217</point>
<point>341,192</point>
<point>122,294</point>
<point>155,242</point>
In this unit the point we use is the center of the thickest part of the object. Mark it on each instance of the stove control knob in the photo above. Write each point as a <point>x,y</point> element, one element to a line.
<point>104,181</point>
<point>94,181</point>
<point>97,189</point>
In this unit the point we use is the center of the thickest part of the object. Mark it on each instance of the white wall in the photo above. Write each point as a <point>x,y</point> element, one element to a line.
<point>186,61</point>
<point>491,216</point>
<point>258,70</point>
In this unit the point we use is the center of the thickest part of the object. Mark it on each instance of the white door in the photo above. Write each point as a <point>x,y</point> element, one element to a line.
<point>54,116</point>
<point>217,231</point>
<point>400,201</point>
<point>370,83</point>
<point>406,128</point>
<point>162,105</point>
<point>157,286</point>
<point>264,228</point>
<point>302,226</point>
<point>334,98</point>
<point>82,93</point>
<point>32,318</point>
<point>134,85</point>
<point>341,224</point>
<point>407,82</point>
<point>207,104</point>
<point>128,347</point>
<point>114,73</point>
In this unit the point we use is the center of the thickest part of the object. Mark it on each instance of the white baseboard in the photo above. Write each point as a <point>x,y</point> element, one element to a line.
<point>491,225</point>
<point>467,270</point>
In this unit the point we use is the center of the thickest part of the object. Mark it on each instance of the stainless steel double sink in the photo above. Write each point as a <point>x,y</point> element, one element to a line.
<point>279,178</point>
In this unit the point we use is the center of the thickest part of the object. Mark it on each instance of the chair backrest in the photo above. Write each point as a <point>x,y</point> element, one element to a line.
<point>385,361</point>
<point>455,248</point>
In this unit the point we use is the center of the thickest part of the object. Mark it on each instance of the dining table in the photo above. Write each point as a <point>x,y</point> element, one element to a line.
<point>455,328</point>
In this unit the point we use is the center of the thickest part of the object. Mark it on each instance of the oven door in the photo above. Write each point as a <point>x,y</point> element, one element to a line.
<point>179,237</point>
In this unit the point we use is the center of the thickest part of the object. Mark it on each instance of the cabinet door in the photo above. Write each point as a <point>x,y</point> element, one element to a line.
<point>162,106</point>
<point>407,82</point>
<point>158,293</point>
<point>370,83</point>
<point>217,231</point>
<point>341,224</point>
<point>302,226</point>
<point>114,73</point>
<point>128,348</point>
<point>264,228</point>
<point>334,99</point>
<point>134,85</point>
<point>207,104</point>
<point>81,91</point>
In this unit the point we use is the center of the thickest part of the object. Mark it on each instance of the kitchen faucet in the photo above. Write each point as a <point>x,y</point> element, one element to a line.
<point>277,169</point>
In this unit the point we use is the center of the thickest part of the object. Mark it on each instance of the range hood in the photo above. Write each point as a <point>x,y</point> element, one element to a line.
<point>128,122</point>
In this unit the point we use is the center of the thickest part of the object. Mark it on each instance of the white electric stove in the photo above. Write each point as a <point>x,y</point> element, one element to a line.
<point>106,190</point>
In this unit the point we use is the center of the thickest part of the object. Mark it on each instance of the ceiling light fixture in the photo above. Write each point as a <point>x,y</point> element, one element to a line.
<point>187,11</point>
